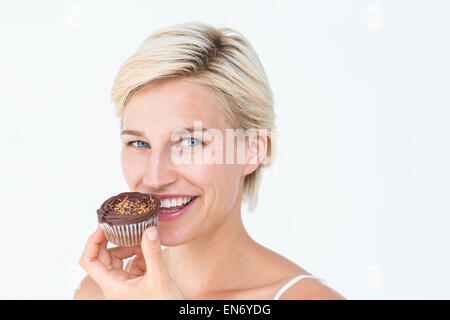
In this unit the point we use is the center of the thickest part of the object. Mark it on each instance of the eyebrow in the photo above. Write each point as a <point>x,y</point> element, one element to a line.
<point>190,129</point>
<point>141,134</point>
<point>132,133</point>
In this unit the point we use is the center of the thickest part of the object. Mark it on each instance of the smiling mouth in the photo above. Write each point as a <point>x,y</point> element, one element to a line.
<point>175,208</point>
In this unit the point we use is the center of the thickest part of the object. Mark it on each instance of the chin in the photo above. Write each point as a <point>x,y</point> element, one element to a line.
<point>172,238</point>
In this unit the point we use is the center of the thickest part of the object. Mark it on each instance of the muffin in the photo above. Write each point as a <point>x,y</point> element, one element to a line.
<point>124,217</point>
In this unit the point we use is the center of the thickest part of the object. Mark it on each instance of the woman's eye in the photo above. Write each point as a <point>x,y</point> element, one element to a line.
<point>138,144</point>
<point>188,142</point>
<point>191,142</point>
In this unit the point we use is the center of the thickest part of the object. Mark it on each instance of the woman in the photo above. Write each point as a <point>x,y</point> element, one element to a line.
<point>178,97</point>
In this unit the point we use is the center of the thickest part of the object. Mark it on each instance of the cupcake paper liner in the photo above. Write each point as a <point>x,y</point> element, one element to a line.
<point>127,235</point>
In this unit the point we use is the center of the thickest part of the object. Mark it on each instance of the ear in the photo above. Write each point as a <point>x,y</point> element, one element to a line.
<point>256,149</point>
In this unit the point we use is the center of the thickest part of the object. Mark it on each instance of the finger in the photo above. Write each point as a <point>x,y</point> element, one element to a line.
<point>95,243</point>
<point>120,253</point>
<point>151,248</point>
<point>136,266</point>
<point>125,252</point>
<point>90,261</point>
<point>98,242</point>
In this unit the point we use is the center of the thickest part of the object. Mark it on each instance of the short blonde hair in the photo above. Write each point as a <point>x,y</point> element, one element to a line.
<point>222,59</point>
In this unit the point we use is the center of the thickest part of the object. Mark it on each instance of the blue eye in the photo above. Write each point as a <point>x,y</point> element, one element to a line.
<point>191,142</point>
<point>138,144</point>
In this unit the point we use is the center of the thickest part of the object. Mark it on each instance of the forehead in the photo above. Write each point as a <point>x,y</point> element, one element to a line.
<point>170,104</point>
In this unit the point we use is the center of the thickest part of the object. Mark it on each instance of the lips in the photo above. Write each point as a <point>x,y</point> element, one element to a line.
<point>170,214</point>
<point>174,209</point>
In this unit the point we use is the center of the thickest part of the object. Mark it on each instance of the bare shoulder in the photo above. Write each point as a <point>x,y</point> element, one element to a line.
<point>304,289</point>
<point>310,289</point>
<point>88,290</point>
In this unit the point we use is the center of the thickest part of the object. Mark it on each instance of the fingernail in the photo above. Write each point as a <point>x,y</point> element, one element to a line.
<point>152,234</point>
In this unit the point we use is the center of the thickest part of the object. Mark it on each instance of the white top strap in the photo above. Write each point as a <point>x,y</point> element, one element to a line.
<point>291,282</point>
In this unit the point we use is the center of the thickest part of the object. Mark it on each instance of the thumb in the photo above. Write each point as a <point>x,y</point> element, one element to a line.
<point>151,249</point>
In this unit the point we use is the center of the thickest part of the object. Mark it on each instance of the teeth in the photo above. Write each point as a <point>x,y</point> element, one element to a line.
<point>174,202</point>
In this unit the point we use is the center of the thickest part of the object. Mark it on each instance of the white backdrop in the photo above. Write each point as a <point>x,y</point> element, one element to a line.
<point>360,194</point>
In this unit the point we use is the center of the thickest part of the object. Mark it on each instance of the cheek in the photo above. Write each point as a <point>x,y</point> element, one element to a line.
<point>228,182</point>
<point>131,168</point>
<point>219,182</point>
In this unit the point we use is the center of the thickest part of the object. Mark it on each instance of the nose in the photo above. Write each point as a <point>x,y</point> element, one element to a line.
<point>160,171</point>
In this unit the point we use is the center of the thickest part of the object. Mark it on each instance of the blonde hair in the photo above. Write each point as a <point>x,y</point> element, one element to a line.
<point>222,59</point>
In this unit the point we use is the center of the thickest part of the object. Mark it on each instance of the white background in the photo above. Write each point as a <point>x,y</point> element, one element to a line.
<point>360,194</point>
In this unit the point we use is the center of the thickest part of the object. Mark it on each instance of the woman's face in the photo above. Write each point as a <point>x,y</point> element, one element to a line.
<point>150,119</point>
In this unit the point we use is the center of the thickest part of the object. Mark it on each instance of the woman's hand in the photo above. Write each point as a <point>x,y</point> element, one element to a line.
<point>147,278</point>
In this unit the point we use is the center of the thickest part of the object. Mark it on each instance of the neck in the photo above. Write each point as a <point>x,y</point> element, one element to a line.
<point>213,261</point>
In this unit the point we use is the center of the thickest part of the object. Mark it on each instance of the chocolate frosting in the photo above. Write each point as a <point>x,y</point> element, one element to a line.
<point>128,208</point>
